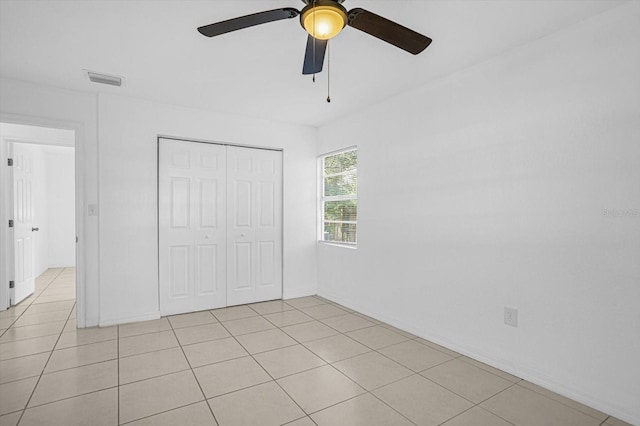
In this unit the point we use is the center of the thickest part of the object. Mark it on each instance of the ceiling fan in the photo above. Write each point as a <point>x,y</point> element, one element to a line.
<point>324,19</point>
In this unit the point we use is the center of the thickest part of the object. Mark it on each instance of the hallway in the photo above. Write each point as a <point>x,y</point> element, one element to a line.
<point>50,308</point>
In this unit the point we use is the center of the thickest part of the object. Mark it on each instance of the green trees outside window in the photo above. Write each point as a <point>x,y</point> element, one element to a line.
<point>339,197</point>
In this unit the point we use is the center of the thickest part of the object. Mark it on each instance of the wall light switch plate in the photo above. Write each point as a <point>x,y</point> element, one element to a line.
<point>93,210</point>
<point>511,316</point>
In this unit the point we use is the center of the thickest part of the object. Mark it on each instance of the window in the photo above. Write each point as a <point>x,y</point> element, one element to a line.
<point>339,197</point>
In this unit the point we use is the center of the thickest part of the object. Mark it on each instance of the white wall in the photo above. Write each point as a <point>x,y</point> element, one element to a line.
<point>120,244</point>
<point>494,187</point>
<point>129,129</point>
<point>60,196</point>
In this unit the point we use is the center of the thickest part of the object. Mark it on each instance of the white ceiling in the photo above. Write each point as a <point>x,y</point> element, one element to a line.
<point>256,72</point>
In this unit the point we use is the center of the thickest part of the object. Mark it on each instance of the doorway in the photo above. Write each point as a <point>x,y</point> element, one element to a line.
<point>39,200</point>
<point>220,225</point>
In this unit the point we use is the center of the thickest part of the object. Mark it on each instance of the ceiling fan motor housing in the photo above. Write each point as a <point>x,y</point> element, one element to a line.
<point>330,18</point>
<point>311,1</point>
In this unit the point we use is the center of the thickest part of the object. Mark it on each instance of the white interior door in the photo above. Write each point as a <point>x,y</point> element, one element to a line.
<point>23,222</point>
<point>192,226</point>
<point>254,223</point>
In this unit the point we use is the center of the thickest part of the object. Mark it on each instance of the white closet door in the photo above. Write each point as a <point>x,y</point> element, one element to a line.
<point>23,222</point>
<point>254,223</point>
<point>192,226</point>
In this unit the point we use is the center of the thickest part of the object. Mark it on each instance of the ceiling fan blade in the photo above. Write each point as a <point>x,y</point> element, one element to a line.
<point>314,55</point>
<point>388,31</point>
<point>247,21</point>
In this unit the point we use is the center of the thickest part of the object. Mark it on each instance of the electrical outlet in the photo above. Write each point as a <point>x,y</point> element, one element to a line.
<point>511,316</point>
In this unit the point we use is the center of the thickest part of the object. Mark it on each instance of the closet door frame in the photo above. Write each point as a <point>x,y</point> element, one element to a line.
<point>281,201</point>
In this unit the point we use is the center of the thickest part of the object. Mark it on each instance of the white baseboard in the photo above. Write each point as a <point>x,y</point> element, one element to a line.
<point>90,322</point>
<point>530,375</point>
<point>106,322</point>
<point>299,292</point>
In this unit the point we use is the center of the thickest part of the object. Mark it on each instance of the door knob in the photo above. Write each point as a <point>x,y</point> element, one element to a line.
<point>242,235</point>
<point>35,229</point>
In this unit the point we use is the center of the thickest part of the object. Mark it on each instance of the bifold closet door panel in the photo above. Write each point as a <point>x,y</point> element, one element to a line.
<point>192,226</point>
<point>254,225</point>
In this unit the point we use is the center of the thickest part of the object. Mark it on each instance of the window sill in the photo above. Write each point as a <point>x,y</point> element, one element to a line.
<point>337,244</point>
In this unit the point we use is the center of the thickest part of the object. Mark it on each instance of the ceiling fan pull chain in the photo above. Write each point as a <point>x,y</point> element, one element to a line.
<point>328,71</point>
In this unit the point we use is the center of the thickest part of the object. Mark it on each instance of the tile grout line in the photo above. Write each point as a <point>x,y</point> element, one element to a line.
<point>493,396</point>
<point>414,338</point>
<point>22,356</point>
<point>260,365</point>
<point>63,399</point>
<point>341,359</point>
<point>193,373</point>
<point>268,374</point>
<point>30,304</point>
<point>336,369</point>
<point>249,333</point>
<point>413,373</point>
<point>37,314</point>
<point>289,325</point>
<point>561,402</point>
<point>161,375</point>
<point>36,337</point>
<point>366,391</point>
<point>118,369</point>
<point>370,392</point>
<point>62,369</point>
<point>161,412</point>
<point>491,412</point>
<point>326,362</point>
<point>473,404</point>
<point>419,373</point>
<point>463,397</point>
<point>469,409</point>
<point>50,353</point>
<point>84,344</point>
<point>231,335</point>
<point>306,416</point>
<point>252,355</point>
<point>74,396</point>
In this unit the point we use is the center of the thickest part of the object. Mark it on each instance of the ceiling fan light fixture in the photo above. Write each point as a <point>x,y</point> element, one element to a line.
<point>323,19</point>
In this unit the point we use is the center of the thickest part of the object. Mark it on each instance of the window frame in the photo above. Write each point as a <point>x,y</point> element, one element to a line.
<point>322,199</point>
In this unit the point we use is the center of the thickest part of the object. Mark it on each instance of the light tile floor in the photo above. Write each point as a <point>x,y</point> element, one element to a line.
<point>299,362</point>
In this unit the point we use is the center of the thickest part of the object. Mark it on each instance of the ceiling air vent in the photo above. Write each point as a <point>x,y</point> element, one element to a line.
<point>104,79</point>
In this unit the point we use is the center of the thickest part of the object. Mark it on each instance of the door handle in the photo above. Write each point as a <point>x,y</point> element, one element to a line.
<point>35,229</point>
